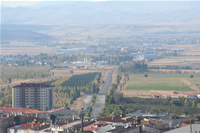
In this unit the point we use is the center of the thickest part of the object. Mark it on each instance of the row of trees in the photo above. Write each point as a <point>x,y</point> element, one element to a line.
<point>82,80</point>
<point>129,105</point>
<point>135,67</point>
<point>91,106</point>
<point>5,95</point>
<point>72,88</point>
<point>8,74</point>
<point>114,96</point>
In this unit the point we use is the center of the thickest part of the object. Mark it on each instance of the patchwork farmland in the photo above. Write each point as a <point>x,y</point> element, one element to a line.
<point>156,84</point>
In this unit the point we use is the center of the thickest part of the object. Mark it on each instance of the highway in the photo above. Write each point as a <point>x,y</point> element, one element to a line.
<point>102,96</point>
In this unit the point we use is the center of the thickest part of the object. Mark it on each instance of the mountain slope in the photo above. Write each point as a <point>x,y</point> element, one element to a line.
<point>23,35</point>
<point>108,12</point>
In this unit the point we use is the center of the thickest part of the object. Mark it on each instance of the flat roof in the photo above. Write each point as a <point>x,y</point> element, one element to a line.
<point>38,85</point>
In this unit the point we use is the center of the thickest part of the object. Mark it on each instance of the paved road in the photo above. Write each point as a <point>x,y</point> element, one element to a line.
<point>102,96</point>
<point>86,101</point>
<point>104,89</point>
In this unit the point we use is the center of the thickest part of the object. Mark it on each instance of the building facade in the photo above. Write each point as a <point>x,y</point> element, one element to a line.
<point>33,95</point>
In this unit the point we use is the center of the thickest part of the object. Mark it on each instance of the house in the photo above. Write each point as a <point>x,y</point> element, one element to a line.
<point>126,129</point>
<point>62,113</point>
<point>69,125</point>
<point>40,129</point>
<point>172,119</point>
<point>133,120</point>
<point>192,128</point>
<point>95,126</point>
<point>23,128</point>
<point>25,111</point>
<point>8,120</point>
<point>192,121</point>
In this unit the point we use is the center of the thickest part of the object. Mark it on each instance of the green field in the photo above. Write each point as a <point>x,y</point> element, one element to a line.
<point>167,82</point>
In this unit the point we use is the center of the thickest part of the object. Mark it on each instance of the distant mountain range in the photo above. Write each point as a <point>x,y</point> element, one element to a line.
<point>47,20</point>
<point>108,12</point>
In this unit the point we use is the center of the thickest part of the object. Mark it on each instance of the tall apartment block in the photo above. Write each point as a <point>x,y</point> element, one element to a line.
<point>33,95</point>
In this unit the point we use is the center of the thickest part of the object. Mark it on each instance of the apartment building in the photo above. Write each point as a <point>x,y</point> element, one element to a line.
<point>33,95</point>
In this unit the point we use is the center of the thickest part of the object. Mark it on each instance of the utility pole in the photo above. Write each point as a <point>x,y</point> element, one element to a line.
<point>138,123</point>
<point>82,116</point>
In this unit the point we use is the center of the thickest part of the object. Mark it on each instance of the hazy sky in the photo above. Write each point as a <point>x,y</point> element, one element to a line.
<point>15,3</point>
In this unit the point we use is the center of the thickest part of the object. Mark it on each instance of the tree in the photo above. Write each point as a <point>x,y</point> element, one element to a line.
<point>145,75</point>
<point>191,76</point>
<point>53,118</point>
<point>9,80</point>
<point>186,103</point>
<point>118,79</point>
<point>46,108</point>
<point>66,105</point>
<point>117,96</point>
<point>71,71</point>
<point>193,103</point>
<point>3,102</point>
<point>198,105</point>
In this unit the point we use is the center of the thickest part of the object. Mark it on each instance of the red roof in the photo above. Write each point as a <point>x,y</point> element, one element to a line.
<point>26,125</point>
<point>50,111</point>
<point>20,110</point>
<point>93,127</point>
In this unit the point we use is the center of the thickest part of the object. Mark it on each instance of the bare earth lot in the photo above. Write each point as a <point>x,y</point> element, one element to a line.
<point>29,50</point>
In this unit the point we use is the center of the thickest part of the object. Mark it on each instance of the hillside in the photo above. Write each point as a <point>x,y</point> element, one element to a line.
<point>23,35</point>
<point>108,12</point>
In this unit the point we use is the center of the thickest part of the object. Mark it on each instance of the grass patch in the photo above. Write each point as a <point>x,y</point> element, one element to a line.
<point>159,87</point>
<point>165,82</point>
<point>60,81</point>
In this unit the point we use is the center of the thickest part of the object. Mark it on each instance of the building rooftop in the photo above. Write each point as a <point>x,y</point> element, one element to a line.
<point>20,110</point>
<point>95,126</point>
<point>41,127</point>
<point>120,129</point>
<point>54,110</point>
<point>193,121</point>
<point>124,120</point>
<point>117,119</point>
<point>61,123</point>
<point>37,119</point>
<point>26,125</point>
<point>32,85</point>
<point>63,111</point>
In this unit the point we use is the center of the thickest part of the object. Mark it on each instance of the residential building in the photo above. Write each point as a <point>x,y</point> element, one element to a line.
<point>30,127</point>
<point>63,113</point>
<point>143,121</point>
<point>24,111</point>
<point>8,120</point>
<point>192,128</point>
<point>33,95</point>
<point>95,126</point>
<point>124,129</point>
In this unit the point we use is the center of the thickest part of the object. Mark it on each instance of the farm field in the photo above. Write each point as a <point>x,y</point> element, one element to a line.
<point>29,50</point>
<point>190,56</point>
<point>193,61</point>
<point>164,82</point>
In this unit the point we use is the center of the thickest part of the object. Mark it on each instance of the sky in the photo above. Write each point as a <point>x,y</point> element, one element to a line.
<point>15,3</point>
